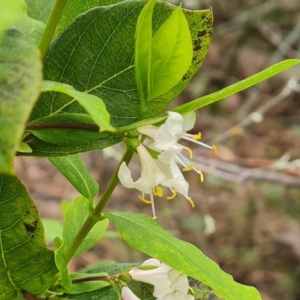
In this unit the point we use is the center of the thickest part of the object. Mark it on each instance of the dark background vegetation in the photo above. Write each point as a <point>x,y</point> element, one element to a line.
<point>252,188</point>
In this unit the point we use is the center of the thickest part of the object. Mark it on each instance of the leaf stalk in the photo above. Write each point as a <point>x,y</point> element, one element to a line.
<point>51,26</point>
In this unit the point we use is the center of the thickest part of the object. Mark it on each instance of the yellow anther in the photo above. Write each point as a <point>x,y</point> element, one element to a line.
<point>158,191</point>
<point>189,150</point>
<point>191,290</point>
<point>191,202</point>
<point>214,148</point>
<point>189,168</point>
<point>201,175</point>
<point>154,217</point>
<point>197,136</point>
<point>145,200</point>
<point>173,195</point>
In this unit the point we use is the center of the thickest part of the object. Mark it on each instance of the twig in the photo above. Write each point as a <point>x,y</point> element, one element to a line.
<point>232,172</point>
<point>257,116</point>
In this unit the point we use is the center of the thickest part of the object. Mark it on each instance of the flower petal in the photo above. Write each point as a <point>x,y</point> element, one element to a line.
<point>174,123</point>
<point>127,294</point>
<point>189,121</point>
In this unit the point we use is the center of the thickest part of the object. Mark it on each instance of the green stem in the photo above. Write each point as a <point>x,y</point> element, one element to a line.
<point>51,26</point>
<point>93,218</point>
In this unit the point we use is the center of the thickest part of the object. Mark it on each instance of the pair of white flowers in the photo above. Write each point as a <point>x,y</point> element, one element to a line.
<point>168,283</point>
<point>164,170</point>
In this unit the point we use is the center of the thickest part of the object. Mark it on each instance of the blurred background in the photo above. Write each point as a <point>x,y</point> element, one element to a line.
<point>247,210</point>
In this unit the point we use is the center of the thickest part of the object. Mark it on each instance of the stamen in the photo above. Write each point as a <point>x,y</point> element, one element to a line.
<point>173,195</point>
<point>189,168</point>
<point>191,202</point>
<point>153,207</point>
<point>158,191</point>
<point>189,150</point>
<point>191,290</point>
<point>145,200</point>
<point>197,136</point>
<point>214,148</point>
<point>201,175</point>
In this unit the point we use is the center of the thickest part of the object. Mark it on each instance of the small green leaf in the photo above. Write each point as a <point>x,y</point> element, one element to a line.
<point>110,292</point>
<point>237,87</point>
<point>75,216</point>
<point>75,171</point>
<point>142,52</point>
<point>31,29</point>
<point>53,228</point>
<point>61,264</point>
<point>40,9</point>
<point>20,82</point>
<point>44,149</point>
<point>25,261</point>
<point>67,137</point>
<point>144,234</point>
<point>172,53</point>
<point>65,129</point>
<point>86,286</point>
<point>10,11</point>
<point>24,148</point>
<point>92,104</point>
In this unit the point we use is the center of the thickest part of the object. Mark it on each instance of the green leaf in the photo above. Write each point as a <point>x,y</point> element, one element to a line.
<point>178,254</point>
<point>25,261</point>
<point>10,11</point>
<point>53,228</point>
<point>40,9</point>
<point>75,216</point>
<point>107,293</point>
<point>75,171</point>
<point>66,129</point>
<point>61,264</point>
<point>20,82</point>
<point>92,104</point>
<point>172,53</point>
<point>106,69</point>
<point>85,286</point>
<point>67,137</point>
<point>237,87</point>
<point>31,29</point>
<point>142,53</point>
<point>44,149</point>
<point>76,7</point>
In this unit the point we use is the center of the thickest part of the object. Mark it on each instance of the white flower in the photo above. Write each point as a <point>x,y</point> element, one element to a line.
<point>164,139</point>
<point>127,294</point>
<point>151,176</point>
<point>174,180</point>
<point>168,283</point>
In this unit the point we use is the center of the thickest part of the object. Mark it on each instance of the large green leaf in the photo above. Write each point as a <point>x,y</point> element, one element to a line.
<point>75,7</point>
<point>39,9</point>
<point>144,234</point>
<point>75,216</point>
<point>20,83</point>
<point>25,261</point>
<point>95,54</point>
<point>75,171</point>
